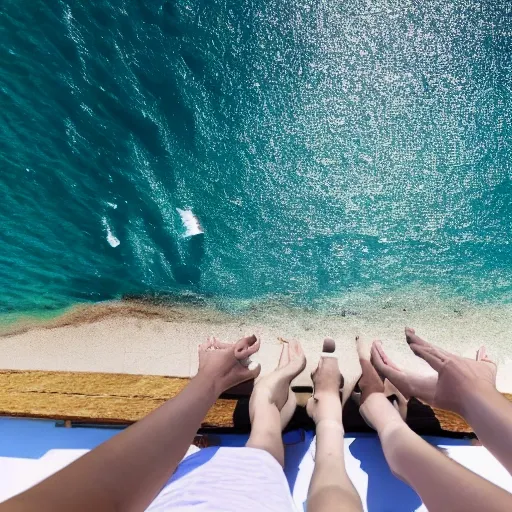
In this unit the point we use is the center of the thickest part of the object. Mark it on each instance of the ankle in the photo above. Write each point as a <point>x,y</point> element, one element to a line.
<point>328,394</point>
<point>327,408</point>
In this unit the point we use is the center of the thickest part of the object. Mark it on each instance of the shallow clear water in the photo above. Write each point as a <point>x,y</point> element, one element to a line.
<point>328,148</point>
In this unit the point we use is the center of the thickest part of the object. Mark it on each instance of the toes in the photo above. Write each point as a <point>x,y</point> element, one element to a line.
<point>204,346</point>
<point>284,359</point>
<point>481,354</point>
<point>329,346</point>
<point>381,358</point>
<point>296,348</point>
<point>248,340</point>
<point>378,357</point>
<point>411,337</point>
<point>363,349</point>
<point>297,357</point>
<point>218,344</point>
<point>246,347</point>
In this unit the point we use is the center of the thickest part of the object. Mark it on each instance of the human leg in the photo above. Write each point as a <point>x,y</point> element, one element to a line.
<point>330,487</point>
<point>272,403</point>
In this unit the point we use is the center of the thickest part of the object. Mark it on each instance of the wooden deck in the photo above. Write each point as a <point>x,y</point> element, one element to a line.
<point>116,398</point>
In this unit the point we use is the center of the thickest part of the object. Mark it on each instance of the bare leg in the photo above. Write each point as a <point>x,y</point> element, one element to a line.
<point>272,403</point>
<point>330,488</point>
<point>436,478</point>
<point>128,471</point>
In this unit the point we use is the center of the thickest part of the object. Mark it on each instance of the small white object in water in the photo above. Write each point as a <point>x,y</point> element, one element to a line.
<point>112,205</point>
<point>111,239</point>
<point>190,222</point>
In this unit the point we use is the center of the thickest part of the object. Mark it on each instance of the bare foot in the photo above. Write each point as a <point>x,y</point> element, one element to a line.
<point>368,383</point>
<point>325,404</point>
<point>272,403</point>
<point>274,388</point>
<point>225,363</point>
<point>447,387</point>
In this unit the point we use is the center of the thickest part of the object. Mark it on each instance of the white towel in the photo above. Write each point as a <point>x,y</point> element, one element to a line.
<point>226,479</point>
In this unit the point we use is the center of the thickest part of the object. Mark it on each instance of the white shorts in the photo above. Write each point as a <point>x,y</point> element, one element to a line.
<point>224,479</point>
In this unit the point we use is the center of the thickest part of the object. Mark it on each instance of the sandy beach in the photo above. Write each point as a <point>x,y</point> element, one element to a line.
<point>139,338</point>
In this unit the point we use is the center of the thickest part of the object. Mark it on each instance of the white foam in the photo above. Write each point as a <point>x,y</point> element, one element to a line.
<point>190,222</point>
<point>111,239</point>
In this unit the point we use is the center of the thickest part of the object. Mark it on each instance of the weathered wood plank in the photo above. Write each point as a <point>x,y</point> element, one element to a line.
<point>116,398</point>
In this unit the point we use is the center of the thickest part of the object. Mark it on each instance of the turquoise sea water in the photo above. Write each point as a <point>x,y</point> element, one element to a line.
<point>328,148</point>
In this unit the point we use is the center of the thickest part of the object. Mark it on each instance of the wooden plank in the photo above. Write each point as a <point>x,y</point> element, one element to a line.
<point>116,398</point>
<point>95,397</point>
<point>91,384</point>
<point>99,409</point>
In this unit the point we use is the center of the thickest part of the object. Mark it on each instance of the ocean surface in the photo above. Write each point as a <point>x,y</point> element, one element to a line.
<point>331,151</point>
